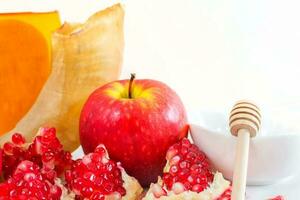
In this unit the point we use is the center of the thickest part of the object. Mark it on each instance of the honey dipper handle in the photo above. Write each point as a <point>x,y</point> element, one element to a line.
<point>241,165</point>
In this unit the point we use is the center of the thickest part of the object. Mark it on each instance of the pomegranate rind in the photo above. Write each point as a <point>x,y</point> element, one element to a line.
<point>213,192</point>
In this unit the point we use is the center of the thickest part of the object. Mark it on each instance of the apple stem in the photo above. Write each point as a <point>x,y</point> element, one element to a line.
<point>132,77</point>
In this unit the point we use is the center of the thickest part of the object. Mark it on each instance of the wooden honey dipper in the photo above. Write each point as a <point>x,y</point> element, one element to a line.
<point>244,122</point>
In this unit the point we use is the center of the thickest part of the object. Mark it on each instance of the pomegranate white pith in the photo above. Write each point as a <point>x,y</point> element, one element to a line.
<point>188,175</point>
<point>216,190</point>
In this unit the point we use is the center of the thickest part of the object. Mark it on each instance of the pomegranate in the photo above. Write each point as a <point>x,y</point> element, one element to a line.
<point>279,197</point>
<point>27,182</point>
<point>97,177</point>
<point>43,170</point>
<point>188,175</point>
<point>46,151</point>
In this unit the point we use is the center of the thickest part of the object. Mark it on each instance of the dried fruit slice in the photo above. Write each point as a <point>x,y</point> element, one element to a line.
<point>27,182</point>
<point>188,175</point>
<point>95,176</point>
<point>46,151</point>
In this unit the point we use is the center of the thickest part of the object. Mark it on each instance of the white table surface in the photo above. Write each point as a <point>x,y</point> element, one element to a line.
<point>289,188</point>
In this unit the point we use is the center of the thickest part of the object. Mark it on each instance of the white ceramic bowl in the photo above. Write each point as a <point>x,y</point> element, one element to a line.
<point>271,158</point>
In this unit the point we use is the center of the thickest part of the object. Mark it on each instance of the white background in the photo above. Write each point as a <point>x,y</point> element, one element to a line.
<point>212,52</point>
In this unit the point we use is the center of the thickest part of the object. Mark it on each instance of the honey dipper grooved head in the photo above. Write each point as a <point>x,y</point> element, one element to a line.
<point>244,115</point>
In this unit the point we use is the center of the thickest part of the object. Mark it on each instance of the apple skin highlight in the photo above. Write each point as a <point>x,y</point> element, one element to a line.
<point>136,131</point>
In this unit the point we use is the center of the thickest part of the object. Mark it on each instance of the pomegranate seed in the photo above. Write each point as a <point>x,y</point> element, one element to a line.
<point>101,150</point>
<point>47,156</point>
<point>226,195</point>
<point>121,190</point>
<point>97,196</point>
<point>48,134</point>
<point>8,148</point>
<point>173,169</point>
<point>197,188</point>
<point>18,139</point>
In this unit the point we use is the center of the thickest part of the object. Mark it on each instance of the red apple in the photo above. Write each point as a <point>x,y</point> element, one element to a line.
<point>137,121</point>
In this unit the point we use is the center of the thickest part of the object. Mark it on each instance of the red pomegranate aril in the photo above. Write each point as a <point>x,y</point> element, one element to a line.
<point>226,195</point>
<point>89,176</point>
<point>49,134</point>
<point>12,156</point>
<point>49,174</point>
<point>108,187</point>
<point>18,139</point>
<point>8,148</point>
<point>47,156</point>
<point>97,196</point>
<point>87,191</point>
<point>197,188</point>
<point>100,150</point>
<point>183,164</point>
<point>121,190</point>
<point>67,155</point>
<point>191,178</point>
<point>173,169</point>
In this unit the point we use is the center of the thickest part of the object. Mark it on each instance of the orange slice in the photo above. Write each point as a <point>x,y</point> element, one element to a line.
<point>25,58</point>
